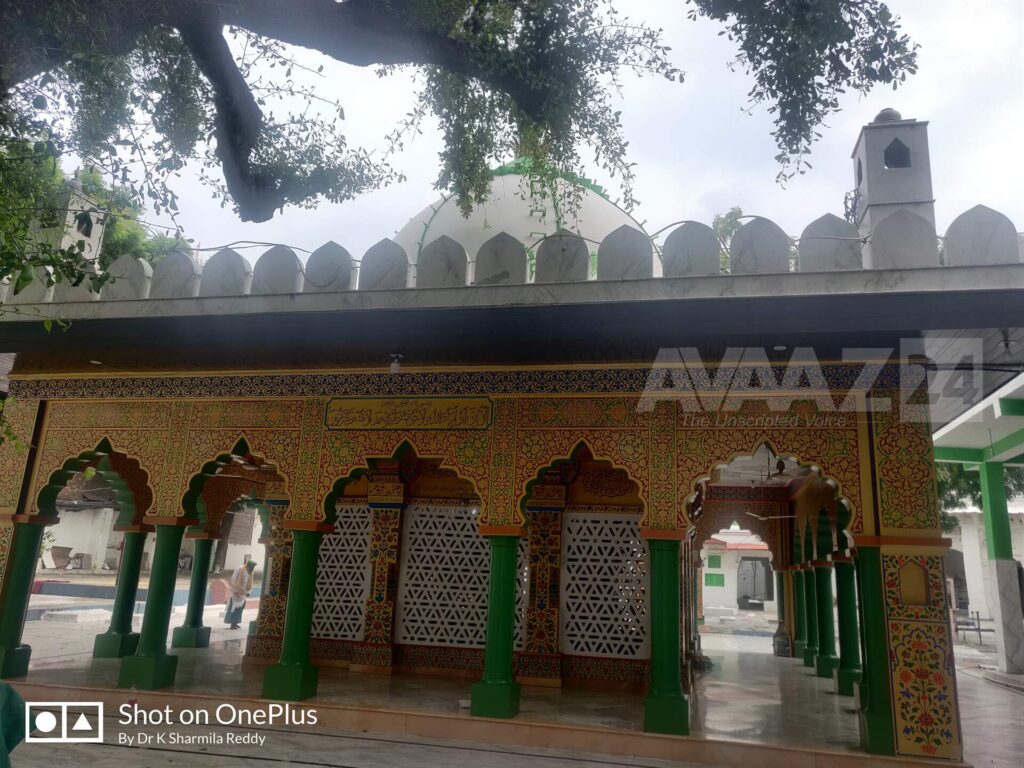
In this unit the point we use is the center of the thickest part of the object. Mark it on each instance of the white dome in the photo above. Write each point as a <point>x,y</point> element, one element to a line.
<point>574,204</point>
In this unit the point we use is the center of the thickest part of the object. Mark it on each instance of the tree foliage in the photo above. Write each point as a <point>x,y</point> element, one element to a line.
<point>123,234</point>
<point>804,54</point>
<point>32,216</point>
<point>960,488</point>
<point>725,226</point>
<point>139,88</point>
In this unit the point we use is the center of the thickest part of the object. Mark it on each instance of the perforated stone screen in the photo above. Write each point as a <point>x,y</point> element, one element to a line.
<point>444,576</point>
<point>605,587</point>
<point>343,576</point>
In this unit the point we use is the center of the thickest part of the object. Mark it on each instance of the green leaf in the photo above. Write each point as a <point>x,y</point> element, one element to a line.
<point>25,278</point>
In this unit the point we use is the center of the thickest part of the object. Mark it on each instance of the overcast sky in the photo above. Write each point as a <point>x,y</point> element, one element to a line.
<point>697,154</point>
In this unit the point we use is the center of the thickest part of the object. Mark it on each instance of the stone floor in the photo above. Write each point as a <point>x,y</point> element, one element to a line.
<point>748,696</point>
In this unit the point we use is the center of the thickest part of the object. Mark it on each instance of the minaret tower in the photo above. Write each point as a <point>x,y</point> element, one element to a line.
<point>893,173</point>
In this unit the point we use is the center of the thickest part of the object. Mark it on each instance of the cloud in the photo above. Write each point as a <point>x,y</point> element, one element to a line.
<point>696,152</point>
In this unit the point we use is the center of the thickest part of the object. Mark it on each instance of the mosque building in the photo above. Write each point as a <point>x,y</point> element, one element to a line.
<point>498,452</point>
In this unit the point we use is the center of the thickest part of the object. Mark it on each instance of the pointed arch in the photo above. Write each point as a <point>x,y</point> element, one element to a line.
<point>123,473</point>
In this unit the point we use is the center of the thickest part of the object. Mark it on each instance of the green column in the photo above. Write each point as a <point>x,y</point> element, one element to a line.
<point>799,609</point>
<point>799,614</point>
<point>811,609</point>
<point>849,670</point>
<point>876,718</point>
<point>1001,569</point>
<point>666,708</point>
<point>782,644</point>
<point>17,589</point>
<point>119,640</point>
<point>294,677</point>
<point>192,634</point>
<point>997,520</point>
<point>150,667</point>
<point>780,595</point>
<point>826,659</point>
<point>497,693</point>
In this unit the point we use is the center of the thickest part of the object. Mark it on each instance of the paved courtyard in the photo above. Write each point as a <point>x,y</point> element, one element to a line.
<point>749,696</point>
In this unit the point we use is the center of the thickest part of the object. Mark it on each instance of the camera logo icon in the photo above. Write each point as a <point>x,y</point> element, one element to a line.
<point>64,722</point>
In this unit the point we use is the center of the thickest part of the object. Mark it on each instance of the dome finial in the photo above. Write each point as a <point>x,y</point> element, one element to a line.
<point>888,115</point>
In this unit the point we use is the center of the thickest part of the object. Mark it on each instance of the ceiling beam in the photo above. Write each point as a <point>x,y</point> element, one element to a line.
<point>1010,406</point>
<point>951,455</point>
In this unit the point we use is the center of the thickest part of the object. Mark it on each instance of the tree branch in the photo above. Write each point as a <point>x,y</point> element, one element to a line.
<point>238,119</point>
<point>367,34</point>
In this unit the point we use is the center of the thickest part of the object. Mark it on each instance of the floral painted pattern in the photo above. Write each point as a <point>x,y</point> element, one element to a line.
<point>924,690</point>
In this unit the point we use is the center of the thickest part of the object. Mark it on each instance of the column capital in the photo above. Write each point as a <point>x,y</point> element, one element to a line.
<point>307,526</point>
<point>134,528</point>
<point>663,534</point>
<point>170,521</point>
<point>24,519</point>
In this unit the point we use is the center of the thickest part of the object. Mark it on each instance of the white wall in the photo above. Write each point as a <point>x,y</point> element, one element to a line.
<point>725,597</point>
<point>971,540</point>
<point>86,531</point>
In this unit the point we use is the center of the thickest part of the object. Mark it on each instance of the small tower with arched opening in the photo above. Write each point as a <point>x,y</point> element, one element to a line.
<point>892,172</point>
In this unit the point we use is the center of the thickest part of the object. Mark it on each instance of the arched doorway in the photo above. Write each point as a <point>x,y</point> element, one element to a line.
<point>756,517</point>
<point>87,534</point>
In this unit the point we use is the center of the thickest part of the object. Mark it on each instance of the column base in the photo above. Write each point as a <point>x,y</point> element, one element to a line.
<point>798,649</point>
<point>667,714</point>
<point>190,637</point>
<point>147,673</point>
<point>494,699</point>
<point>809,654</point>
<point>115,645</point>
<point>14,661</point>
<point>844,680</point>
<point>1004,599</point>
<point>290,682</point>
<point>824,664</point>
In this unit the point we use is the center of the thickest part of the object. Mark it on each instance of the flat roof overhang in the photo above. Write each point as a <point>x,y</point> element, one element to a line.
<point>565,323</point>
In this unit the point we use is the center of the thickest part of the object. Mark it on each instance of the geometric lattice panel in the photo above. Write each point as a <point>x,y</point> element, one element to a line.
<point>443,579</point>
<point>344,575</point>
<point>604,589</point>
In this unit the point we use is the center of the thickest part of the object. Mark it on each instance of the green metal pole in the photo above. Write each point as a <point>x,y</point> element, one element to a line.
<point>666,708</point>
<point>150,667</point>
<point>294,677</point>
<point>876,716</point>
<point>497,693</point>
<point>849,671</point>
<point>192,634</point>
<point>17,590</point>
<point>119,640</point>
<point>860,688</point>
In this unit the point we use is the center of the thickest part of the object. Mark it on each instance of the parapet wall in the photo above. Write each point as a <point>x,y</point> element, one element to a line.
<point>903,240</point>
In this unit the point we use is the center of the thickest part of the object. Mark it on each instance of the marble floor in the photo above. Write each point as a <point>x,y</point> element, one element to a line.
<point>749,695</point>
